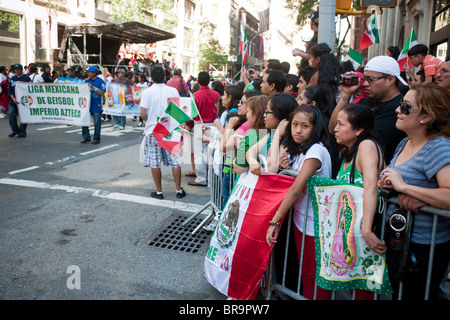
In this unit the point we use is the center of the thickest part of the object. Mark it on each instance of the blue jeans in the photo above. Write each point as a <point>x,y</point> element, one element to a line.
<point>120,120</point>
<point>97,127</point>
<point>13,113</point>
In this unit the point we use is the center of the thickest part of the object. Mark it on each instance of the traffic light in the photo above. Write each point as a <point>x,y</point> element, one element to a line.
<point>379,3</point>
<point>343,4</point>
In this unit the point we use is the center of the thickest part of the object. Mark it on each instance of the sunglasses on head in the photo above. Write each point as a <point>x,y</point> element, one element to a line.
<point>406,108</point>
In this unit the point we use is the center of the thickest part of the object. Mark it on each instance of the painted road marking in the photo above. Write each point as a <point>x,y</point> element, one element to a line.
<point>50,128</point>
<point>99,149</point>
<point>175,205</point>
<point>23,170</point>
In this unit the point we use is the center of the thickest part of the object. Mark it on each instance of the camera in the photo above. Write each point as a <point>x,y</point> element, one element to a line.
<point>349,79</point>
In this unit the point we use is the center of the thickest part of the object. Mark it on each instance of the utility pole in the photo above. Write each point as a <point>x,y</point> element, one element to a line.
<point>327,12</point>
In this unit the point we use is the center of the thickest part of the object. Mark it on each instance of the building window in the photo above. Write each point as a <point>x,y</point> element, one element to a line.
<point>189,8</point>
<point>188,38</point>
<point>10,33</point>
<point>441,14</point>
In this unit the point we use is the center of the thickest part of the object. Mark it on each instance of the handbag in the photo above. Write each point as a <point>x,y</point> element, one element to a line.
<point>378,217</point>
<point>182,92</point>
<point>401,262</point>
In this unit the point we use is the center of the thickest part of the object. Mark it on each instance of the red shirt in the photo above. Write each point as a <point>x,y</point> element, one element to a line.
<point>205,99</point>
<point>175,83</point>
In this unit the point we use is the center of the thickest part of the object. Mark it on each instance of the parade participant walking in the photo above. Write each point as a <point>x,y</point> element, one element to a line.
<point>154,102</point>
<point>46,74</point>
<point>205,99</point>
<point>20,131</point>
<point>34,76</point>
<point>4,92</point>
<point>121,121</point>
<point>98,88</point>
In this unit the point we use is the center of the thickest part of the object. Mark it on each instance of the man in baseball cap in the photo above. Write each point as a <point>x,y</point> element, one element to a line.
<point>382,83</point>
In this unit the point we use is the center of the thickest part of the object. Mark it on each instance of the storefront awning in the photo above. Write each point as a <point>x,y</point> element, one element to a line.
<point>127,32</point>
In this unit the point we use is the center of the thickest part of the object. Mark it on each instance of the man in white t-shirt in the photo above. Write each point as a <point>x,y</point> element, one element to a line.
<point>34,75</point>
<point>154,101</point>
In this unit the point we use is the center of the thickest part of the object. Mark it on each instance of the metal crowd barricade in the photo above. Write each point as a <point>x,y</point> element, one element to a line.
<point>215,187</point>
<point>271,284</point>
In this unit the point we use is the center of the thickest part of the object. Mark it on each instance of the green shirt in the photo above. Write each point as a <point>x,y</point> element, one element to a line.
<point>247,141</point>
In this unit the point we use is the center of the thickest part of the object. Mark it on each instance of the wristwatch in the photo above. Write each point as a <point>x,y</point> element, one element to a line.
<point>271,223</point>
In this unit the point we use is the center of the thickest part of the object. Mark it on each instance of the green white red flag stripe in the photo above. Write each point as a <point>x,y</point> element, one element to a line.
<point>372,34</point>
<point>238,253</point>
<point>403,57</point>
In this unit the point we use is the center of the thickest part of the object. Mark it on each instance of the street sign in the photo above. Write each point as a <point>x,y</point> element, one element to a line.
<point>379,3</point>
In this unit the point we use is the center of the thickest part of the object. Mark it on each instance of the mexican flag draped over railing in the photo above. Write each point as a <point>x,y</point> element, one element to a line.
<point>344,261</point>
<point>167,131</point>
<point>238,253</point>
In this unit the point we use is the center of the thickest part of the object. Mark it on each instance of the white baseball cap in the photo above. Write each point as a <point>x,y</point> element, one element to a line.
<point>386,65</point>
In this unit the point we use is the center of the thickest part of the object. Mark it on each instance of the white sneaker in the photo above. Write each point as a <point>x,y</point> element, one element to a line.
<point>140,124</point>
<point>2,116</point>
<point>116,127</point>
<point>121,128</point>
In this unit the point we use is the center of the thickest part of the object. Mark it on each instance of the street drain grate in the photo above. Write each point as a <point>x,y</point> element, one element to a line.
<point>172,235</point>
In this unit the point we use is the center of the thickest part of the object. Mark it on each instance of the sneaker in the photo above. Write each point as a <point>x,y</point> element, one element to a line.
<point>116,127</point>
<point>12,134</point>
<point>155,195</point>
<point>2,116</point>
<point>22,135</point>
<point>95,141</point>
<point>121,128</point>
<point>140,124</point>
<point>181,194</point>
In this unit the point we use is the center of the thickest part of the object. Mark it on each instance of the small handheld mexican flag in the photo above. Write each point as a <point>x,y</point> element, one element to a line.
<point>403,57</point>
<point>355,58</point>
<point>372,34</point>
<point>167,131</point>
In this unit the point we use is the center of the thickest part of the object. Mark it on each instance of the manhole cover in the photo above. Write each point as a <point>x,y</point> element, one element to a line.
<point>172,235</point>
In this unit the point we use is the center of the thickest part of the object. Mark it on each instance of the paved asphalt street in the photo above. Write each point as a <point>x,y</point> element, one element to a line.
<point>73,218</point>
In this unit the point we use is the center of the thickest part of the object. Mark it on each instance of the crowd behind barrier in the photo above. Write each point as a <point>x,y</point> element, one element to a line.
<point>282,279</point>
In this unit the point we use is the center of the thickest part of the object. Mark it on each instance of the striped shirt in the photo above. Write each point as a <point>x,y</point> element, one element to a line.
<point>420,170</point>
<point>431,65</point>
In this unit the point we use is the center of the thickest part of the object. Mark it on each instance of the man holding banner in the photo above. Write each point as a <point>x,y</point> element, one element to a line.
<point>13,103</point>
<point>98,88</point>
<point>153,104</point>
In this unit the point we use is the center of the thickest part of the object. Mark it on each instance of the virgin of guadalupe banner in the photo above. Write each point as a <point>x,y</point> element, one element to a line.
<point>122,100</point>
<point>344,261</point>
<point>238,252</point>
<point>66,103</point>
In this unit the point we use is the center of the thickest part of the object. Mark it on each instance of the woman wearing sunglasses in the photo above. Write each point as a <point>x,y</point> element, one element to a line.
<point>420,173</point>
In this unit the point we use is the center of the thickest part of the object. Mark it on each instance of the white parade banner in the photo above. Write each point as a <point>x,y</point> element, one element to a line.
<point>66,103</point>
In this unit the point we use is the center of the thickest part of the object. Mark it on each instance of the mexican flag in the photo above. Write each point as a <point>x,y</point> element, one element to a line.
<point>344,260</point>
<point>172,142</point>
<point>372,34</point>
<point>243,43</point>
<point>403,57</point>
<point>355,58</point>
<point>171,119</point>
<point>238,252</point>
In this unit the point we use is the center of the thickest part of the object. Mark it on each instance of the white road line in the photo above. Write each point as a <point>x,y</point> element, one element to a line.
<point>99,149</point>
<point>50,128</point>
<point>23,170</point>
<point>175,205</point>
<point>91,127</point>
<point>60,161</point>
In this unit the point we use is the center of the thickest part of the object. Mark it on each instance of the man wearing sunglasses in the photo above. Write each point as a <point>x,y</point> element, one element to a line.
<point>382,83</point>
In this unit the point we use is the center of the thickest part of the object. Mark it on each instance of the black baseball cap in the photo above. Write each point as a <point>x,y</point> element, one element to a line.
<point>17,66</point>
<point>314,17</point>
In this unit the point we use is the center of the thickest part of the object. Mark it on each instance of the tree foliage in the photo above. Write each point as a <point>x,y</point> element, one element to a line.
<point>210,50</point>
<point>143,11</point>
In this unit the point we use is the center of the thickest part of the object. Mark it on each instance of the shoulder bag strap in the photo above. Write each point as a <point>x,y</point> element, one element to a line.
<point>353,168</point>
